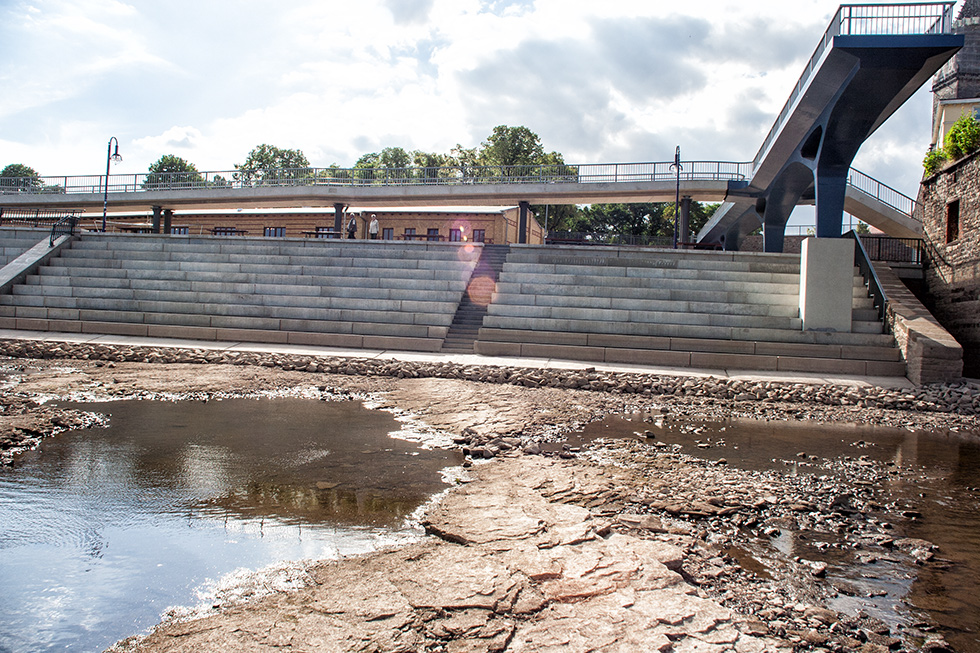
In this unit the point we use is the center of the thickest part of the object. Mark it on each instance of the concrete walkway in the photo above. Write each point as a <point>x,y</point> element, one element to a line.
<point>459,359</point>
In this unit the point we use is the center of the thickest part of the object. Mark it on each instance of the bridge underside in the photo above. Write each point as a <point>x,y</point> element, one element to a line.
<point>857,84</point>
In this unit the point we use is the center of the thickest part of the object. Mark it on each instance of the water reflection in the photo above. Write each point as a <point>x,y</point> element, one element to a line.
<point>102,530</point>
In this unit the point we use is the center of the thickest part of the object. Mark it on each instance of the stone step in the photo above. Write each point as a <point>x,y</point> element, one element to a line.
<point>786,309</point>
<point>224,321</point>
<point>284,279</point>
<point>566,271</point>
<point>133,307</point>
<point>760,334</point>
<point>416,292</point>
<point>109,295</point>
<point>640,316</point>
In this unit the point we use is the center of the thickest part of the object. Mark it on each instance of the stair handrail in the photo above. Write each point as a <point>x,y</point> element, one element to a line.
<point>63,227</point>
<point>877,292</point>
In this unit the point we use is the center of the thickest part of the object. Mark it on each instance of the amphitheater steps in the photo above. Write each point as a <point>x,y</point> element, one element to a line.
<point>313,292</point>
<point>473,308</point>
<point>14,241</point>
<point>675,309</point>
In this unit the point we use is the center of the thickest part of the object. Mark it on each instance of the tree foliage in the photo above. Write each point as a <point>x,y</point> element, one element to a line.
<point>171,171</point>
<point>268,163</point>
<point>19,177</point>
<point>963,138</point>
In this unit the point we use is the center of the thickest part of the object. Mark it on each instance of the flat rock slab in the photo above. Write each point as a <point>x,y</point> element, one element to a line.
<point>511,570</point>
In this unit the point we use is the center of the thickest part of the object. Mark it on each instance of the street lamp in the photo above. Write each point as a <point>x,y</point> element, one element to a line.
<point>110,156</point>
<point>677,167</point>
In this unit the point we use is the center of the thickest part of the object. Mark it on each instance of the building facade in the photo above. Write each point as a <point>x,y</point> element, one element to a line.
<point>489,225</point>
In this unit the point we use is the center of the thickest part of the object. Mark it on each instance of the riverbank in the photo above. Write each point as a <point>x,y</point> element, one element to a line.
<point>627,543</point>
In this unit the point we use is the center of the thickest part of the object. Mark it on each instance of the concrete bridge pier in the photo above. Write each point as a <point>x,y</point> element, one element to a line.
<point>522,222</point>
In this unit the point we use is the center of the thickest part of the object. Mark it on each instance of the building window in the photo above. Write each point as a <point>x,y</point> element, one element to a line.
<point>409,232</point>
<point>275,232</point>
<point>455,235</point>
<point>479,235</point>
<point>387,233</point>
<point>224,231</point>
<point>178,231</point>
<point>952,221</point>
<point>433,234</point>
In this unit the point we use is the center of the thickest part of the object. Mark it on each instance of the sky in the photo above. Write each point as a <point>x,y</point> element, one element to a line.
<point>600,82</point>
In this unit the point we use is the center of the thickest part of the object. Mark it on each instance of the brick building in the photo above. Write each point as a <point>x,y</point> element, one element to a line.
<point>489,224</point>
<point>949,203</point>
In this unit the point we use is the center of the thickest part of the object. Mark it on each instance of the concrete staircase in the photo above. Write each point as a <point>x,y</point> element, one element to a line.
<point>469,316</point>
<point>714,310</point>
<point>358,294</point>
<point>14,241</point>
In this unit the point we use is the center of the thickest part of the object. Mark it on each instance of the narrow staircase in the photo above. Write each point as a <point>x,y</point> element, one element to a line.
<point>479,293</point>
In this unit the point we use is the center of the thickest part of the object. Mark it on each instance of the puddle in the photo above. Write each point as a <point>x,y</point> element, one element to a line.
<point>930,481</point>
<point>103,530</point>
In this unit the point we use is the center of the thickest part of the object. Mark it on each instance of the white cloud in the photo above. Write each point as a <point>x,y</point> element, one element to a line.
<point>617,81</point>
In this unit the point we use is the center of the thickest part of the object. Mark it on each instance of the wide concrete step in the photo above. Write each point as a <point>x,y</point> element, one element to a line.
<point>277,247</point>
<point>285,270</point>
<point>676,264</point>
<point>316,259</point>
<point>130,309</point>
<point>108,295</point>
<point>683,357</point>
<point>529,270</point>
<point>283,279</point>
<point>711,332</point>
<point>679,316</point>
<point>414,293</point>
<point>669,304</point>
<point>640,291</point>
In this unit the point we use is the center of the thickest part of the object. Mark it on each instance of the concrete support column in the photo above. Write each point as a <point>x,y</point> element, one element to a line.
<point>156,219</point>
<point>522,223</point>
<point>168,218</point>
<point>831,186</point>
<point>684,224</point>
<point>826,284</point>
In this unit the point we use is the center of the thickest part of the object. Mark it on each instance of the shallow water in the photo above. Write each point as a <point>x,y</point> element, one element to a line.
<point>102,530</point>
<point>942,482</point>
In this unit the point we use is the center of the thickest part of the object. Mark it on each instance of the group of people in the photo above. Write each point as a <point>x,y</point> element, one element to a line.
<point>373,227</point>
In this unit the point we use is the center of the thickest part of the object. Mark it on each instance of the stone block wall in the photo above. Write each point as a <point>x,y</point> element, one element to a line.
<point>953,270</point>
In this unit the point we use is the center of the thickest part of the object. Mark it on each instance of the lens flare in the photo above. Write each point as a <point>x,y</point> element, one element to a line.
<point>481,290</point>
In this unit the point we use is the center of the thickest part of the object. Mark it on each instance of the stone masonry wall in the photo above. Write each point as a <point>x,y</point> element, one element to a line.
<point>953,271</point>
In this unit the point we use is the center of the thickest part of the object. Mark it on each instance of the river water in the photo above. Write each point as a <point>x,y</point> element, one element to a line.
<point>941,479</point>
<point>103,530</point>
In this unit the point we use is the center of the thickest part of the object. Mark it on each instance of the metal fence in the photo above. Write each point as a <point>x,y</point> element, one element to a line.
<point>882,192</point>
<point>893,250</point>
<point>592,238</point>
<point>865,20</point>
<point>34,217</point>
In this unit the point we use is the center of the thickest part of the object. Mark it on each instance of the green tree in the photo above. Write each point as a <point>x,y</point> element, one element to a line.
<point>18,177</point>
<point>268,164</point>
<point>963,137</point>
<point>171,171</point>
<point>697,218</point>
<point>511,146</point>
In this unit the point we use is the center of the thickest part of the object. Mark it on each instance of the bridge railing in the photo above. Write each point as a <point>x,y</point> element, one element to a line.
<point>865,20</point>
<point>444,176</point>
<point>882,192</point>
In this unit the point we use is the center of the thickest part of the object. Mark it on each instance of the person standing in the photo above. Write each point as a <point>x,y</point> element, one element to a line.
<point>352,227</point>
<point>373,227</point>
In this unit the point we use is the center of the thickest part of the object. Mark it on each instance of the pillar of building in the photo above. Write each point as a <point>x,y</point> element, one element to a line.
<point>522,222</point>
<point>338,218</point>
<point>156,219</point>
<point>168,219</point>
<point>684,223</point>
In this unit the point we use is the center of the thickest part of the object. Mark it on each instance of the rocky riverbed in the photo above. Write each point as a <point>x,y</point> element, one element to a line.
<point>624,545</point>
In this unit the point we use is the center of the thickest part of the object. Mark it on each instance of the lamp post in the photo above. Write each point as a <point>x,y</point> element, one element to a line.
<point>110,156</point>
<point>677,167</point>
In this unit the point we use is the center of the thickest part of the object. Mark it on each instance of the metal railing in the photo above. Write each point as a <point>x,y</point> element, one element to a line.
<point>33,217</point>
<point>63,227</point>
<point>865,20</point>
<point>444,176</point>
<point>894,250</point>
<point>595,238</point>
<point>882,192</point>
<point>875,290</point>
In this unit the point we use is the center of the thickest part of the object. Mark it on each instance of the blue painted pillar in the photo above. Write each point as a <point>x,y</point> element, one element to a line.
<point>831,186</point>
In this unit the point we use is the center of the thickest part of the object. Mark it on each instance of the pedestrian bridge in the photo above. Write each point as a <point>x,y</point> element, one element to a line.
<point>871,59</point>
